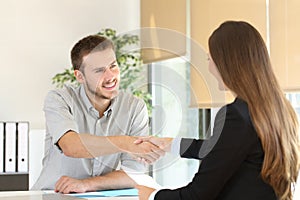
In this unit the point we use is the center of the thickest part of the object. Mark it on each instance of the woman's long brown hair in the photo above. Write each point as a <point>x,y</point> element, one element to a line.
<point>242,59</point>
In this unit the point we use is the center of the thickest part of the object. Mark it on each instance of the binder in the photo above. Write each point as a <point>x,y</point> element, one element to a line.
<point>10,146</point>
<point>22,133</point>
<point>1,146</point>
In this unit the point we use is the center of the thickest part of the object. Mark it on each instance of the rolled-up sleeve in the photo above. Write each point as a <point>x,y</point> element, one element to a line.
<point>59,117</point>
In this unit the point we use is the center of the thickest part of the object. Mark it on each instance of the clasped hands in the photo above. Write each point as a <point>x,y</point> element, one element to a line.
<point>154,148</point>
<point>149,149</point>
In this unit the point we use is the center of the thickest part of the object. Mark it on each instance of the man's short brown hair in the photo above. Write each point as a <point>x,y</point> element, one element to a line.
<point>87,45</point>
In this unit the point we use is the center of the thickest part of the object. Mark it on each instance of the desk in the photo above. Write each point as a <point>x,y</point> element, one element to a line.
<point>38,195</point>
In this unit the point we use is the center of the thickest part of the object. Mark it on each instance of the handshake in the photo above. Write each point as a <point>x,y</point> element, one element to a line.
<point>149,149</point>
<point>144,149</point>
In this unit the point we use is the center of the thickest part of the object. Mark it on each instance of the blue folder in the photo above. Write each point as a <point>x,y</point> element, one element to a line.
<point>107,193</point>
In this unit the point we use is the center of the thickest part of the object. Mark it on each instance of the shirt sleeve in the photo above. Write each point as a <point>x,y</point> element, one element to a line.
<point>175,146</point>
<point>58,114</point>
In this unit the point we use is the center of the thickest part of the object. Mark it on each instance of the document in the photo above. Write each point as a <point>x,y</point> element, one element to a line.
<point>10,146</point>
<point>141,178</point>
<point>1,146</point>
<point>23,131</point>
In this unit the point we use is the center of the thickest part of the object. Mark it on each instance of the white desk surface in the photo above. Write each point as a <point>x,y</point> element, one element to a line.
<point>141,179</point>
<point>37,195</point>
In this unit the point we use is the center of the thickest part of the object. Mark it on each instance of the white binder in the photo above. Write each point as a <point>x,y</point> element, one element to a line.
<point>23,131</point>
<point>1,146</point>
<point>10,146</point>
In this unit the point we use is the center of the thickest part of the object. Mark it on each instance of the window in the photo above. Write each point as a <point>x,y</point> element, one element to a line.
<point>294,98</point>
<point>173,117</point>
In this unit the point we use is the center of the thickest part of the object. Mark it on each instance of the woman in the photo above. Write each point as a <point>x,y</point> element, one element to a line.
<point>256,155</point>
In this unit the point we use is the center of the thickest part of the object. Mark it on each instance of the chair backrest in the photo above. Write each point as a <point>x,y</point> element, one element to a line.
<point>36,154</point>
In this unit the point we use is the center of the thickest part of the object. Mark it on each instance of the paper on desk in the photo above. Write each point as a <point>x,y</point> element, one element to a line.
<point>140,178</point>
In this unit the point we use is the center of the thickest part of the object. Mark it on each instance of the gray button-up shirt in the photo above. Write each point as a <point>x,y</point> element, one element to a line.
<point>70,109</point>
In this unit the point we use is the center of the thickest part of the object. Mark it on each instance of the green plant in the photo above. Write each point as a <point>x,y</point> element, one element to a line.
<point>130,64</point>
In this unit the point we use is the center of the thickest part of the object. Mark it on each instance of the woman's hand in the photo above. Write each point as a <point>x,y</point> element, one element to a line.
<point>163,143</point>
<point>144,192</point>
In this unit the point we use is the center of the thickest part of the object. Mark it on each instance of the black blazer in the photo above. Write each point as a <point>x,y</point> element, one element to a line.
<point>231,161</point>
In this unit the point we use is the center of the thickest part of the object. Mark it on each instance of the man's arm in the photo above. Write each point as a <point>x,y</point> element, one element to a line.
<point>89,146</point>
<point>113,180</point>
<point>77,145</point>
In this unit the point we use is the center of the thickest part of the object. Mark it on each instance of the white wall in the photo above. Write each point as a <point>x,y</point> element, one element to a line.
<point>35,40</point>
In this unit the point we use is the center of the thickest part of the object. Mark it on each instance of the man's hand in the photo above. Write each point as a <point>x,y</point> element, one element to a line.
<point>144,151</point>
<point>163,143</point>
<point>144,192</point>
<point>92,146</point>
<point>67,185</point>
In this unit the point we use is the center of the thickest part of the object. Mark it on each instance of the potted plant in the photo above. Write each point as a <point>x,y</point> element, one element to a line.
<point>130,64</point>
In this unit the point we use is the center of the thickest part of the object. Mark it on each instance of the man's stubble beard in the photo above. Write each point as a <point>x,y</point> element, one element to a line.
<point>97,94</point>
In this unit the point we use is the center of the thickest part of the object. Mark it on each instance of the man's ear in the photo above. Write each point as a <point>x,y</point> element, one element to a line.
<point>79,76</point>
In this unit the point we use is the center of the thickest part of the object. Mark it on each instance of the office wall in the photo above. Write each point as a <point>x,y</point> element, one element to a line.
<point>35,39</point>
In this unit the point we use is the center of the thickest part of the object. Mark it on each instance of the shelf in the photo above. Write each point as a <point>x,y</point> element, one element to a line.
<point>14,181</point>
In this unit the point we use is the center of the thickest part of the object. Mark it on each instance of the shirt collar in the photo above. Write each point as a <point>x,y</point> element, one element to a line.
<point>87,103</point>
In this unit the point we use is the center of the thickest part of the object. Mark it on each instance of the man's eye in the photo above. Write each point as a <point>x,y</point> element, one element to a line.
<point>113,65</point>
<point>99,71</point>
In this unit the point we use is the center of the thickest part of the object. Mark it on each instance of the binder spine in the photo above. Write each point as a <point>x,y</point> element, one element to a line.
<point>10,146</point>
<point>1,147</point>
<point>14,147</point>
<point>22,146</point>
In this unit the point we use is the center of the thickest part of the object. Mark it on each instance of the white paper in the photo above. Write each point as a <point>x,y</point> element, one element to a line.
<point>141,178</point>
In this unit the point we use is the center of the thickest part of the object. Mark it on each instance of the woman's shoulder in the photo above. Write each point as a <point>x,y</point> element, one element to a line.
<point>239,108</point>
<point>236,117</point>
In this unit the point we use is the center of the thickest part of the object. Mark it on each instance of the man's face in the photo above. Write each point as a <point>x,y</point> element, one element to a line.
<point>101,75</point>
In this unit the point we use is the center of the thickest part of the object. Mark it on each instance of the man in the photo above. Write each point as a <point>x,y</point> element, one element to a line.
<point>89,128</point>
